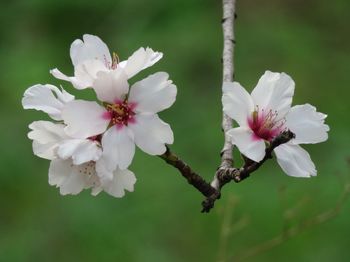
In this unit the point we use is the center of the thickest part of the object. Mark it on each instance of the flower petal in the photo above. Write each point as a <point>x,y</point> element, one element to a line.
<point>46,137</point>
<point>139,60</point>
<point>84,73</point>
<point>237,103</point>
<point>77,83</point>
<point>80,150</point>
<point>274,91</point>
<point>247,143</point>
<point>122,180</point>
<point>91,48</point>
<point>295,161</point>
<point>153,94</point>
<point>69,178</point>
<point>84,119</point>
<point>111,86</point>
<point>118,149</point>
<point>307,124</point>
<point>46,98</point>
<point>151,134</point>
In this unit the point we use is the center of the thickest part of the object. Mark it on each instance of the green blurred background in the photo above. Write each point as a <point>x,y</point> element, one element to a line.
<point>161,221</point>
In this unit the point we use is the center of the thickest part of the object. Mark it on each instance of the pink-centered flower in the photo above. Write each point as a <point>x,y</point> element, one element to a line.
<point>95,144</point>
<point>126,117</point>
<point>91,56</point>
<point>265,113</point>
<point>73,160</point>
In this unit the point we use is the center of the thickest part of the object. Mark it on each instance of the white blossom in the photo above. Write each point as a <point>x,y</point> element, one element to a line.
<point>266,113</point>
<point>47,98</point>
<point>127,117</point>
<point>91,56</point>
<point>73,160</point>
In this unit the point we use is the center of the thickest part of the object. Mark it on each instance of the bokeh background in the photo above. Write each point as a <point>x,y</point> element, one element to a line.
<point>161,220</point>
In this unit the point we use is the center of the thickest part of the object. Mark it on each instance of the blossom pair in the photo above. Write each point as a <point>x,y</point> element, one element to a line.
<point>265,113</point>
<point>92,144</point>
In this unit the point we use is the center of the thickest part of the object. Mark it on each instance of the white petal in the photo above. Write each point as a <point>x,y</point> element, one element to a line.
<point>96,189</point>
<point>91,48</point>
<point>84,73</point>
<point>153,94</point>
<point>274,91</point>
<point>80,150</point>
<point>46,137</point>
<point>111,86</point>
<point>77,83</point>
<point>47,98</point>
<point>84,119</point>
<point>139,60</point>
<point>248,144</point>
<point>101,169</point>
<point>151,134</point>
<point>307,124</point>
<point>237,103</point>
<point>118,148</point>
<point>122,180</point>
<point>87,72</point>
<point>295,161</point>
<point>69,178</point>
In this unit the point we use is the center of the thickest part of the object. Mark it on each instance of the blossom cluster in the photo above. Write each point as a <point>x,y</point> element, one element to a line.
<point>266,113</point>
<point>91,144</point>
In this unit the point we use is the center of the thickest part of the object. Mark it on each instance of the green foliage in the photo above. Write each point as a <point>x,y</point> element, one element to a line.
<point>161,221</point>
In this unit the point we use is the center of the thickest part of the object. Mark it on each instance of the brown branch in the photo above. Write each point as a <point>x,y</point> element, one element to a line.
<point>226,172</point>
<point>192,177</point>
<point>225,175</point>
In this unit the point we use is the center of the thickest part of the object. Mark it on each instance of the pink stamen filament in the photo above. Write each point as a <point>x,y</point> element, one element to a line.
<point>120,113</point>
<point>265,125</point>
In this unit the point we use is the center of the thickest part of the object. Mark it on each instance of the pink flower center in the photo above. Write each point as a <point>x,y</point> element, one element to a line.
<point>265,124</point>
<point>120,113</point>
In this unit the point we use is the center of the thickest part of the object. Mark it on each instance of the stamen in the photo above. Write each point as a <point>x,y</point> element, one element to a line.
<point>265,124</point>
<point>115,61</point>
<point>121,113</point>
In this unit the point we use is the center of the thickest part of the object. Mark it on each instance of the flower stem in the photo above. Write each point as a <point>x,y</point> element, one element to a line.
<point>192,177</point>
<point>228,73</point>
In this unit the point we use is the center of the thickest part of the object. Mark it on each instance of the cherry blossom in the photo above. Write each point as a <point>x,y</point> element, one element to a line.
<point>73,160</point>
<point>91,56</point>
<point>265,113</point>
<point>125,118</point>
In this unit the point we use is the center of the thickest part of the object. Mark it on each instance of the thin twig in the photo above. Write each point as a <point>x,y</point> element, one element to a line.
<point>226,172</point>
<point>225,175</point>
<point>228,73</point>
<point>192,177</point>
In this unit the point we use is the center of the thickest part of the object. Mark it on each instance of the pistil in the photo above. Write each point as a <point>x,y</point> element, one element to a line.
<point>121,113</point>
<point>265,125</point>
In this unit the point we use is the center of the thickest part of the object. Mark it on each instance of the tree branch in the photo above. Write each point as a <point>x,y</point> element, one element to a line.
<point>226,172</point>
<point>227,161</point>
<point>225,175</point>
<point>192,177</point>
<point>228,72</point>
